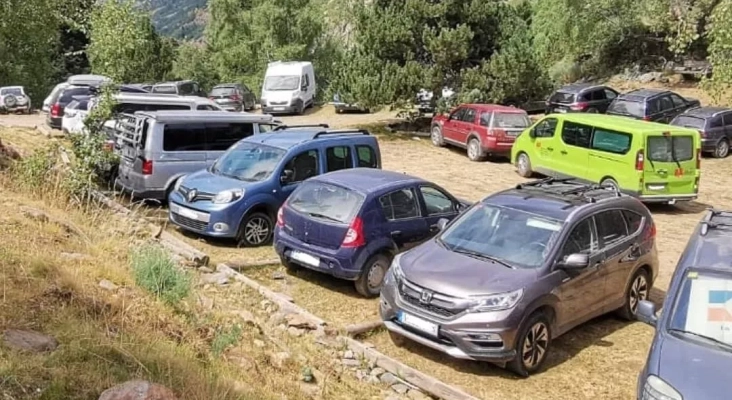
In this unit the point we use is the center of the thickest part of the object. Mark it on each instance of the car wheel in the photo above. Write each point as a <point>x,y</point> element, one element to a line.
<point>475,153</point>
<point>532,345</point>
<point>436,136</point>
<point>523,165</point>
<point>722,149</point>
<point>592,110</point>
<point>637,290</point>
<point>397,339</point>
<point>610,183</point>
<point>372,276</point>
<point>255,230</point>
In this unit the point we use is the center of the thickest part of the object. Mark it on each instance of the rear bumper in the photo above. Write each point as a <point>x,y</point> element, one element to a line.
<point>494,145</point>
<point>341,263</point>
<point>666,198</point>
<point>24,107</point>
<point>54,122</point>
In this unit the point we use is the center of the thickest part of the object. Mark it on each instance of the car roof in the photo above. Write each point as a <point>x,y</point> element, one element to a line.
<point>167,97</point>
<point>368,180</point>
<point>11,87</point>
<point>711,244</point>
<point>222,85</point>
<point>209,116</point>
<point>578,87</point>
<point>614,122</point>
<point>705,112</point>
<point>494,107</point>
<point>286,139</point>
<point>642,94</point>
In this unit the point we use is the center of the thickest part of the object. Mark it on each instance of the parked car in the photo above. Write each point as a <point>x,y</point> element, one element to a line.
<point>54,94</point>
<point>654,162</point>
<point>157,148</point>
<point>239,195</point>
<point>13,99</point>
<point>519,269</point>
<point>692,348</point>
<point>181,88</point>
<point>342,106</point>
<point>350,223</point>
<point>61,99</point>
<point>714,125</point>
<point>651,105</point>
<point>484,129</point>
<point>74,115</point>
<point>426,101</point>
<point>289,87</point>
<point>233,97</point>
<point>581,97</point>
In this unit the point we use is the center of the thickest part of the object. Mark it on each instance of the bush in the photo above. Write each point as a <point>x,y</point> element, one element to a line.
<point>155,271</point>
<point>33,172</point>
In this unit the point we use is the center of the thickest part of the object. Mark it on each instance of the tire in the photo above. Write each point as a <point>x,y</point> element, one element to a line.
<point>722,149</point>
<point>475,153</point>
<point>397,339</point>
<point>610,182</point>
<point>532,345</point>
<point>592,110</point>
<point>301,109</point>
<point>637,290</point>
<point>372,276</point>
<point>255,230</point>
<point>523,165</point>
<point>436,136</point>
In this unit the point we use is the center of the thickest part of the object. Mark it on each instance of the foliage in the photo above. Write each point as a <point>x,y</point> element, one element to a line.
<point>720,52</point>
<point>155,271</point>
<point>32,173</point>
<point>225,338</point>
<point>193,61</point>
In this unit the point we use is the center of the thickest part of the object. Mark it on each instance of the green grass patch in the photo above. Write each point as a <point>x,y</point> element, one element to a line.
<point>155,271</point>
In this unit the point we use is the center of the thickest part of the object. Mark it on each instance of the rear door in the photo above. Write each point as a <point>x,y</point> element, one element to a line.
<point>404,221</point>
<point>598,101</point>
<point>670,166</point>
<point>466,125</point>
<point>221,136</point>
<point>303,165</point>
<point>338,157</point>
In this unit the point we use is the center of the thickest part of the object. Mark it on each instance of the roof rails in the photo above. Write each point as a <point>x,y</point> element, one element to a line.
<point>580,189</point>
<point>342,132</point>
<point>283,127</point>
<point>709,222</point>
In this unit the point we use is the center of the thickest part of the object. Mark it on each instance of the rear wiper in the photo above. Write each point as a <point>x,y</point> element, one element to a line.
<point>673,151</point>
<point>482,256</point>
<point>323,216</point>
<point>719,343</point>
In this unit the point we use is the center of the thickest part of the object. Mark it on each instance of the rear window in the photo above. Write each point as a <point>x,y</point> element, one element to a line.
<point>689,122</point>
<point>660,148</point>
<point>326,202</point>
<point>69,93</point>
<point>223,91</point>
<point>168,89</point>
<point>510,120</point>
<point>627,107</point>
<point>561,97</point>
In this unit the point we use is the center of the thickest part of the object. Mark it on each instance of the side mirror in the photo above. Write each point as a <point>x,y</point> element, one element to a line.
<point>647,313</point>
<point>304,88</point>
<point>442,223</point>
<point>575,262</point>
<point>532,133</point>
<point>287,176</point>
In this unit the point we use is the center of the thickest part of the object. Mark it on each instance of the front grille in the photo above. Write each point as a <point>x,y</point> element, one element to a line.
<point>427,307</point>
<point>278,103</point>
<point>440,305</point>
<point>199,196</point>
<point>189,223</point>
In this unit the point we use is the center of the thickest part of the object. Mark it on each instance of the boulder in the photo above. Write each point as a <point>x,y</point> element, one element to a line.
<point>138,390</point>
<point>29,341</point>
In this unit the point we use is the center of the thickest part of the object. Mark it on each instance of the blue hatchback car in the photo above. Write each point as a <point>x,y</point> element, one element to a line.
<point>351,223</point>
<point>691,354</point>
<point>239,195</point>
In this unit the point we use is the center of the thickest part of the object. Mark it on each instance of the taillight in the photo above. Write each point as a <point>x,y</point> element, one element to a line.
<point>579,106</point>
<point>234,97</point>
<point>639,160</point>
<point>698,158</point>
<point>354,236</point>
<point>647,118</point>
<point>651,233</point>
<point>147,167</point>
<point>281,217</point>
<point>55,110</point>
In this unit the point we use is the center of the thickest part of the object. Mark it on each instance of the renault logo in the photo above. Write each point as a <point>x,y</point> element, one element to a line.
<point>425,297</point>
<point>191,195</point>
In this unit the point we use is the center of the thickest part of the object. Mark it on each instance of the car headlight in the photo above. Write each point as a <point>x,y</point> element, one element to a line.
<point>395,269</point>
<point>496,302</point>
<point>176,187</point>
<point>658,389</point>
<point>227,196</point>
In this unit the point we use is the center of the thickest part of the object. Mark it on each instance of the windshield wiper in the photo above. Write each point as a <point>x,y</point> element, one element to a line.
<point>482,256</point>
<point>673,151</point>
<point>323,216</point>
<point>724,345</point>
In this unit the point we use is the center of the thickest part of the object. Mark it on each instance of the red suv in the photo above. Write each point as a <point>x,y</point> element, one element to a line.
<point>483,129</point>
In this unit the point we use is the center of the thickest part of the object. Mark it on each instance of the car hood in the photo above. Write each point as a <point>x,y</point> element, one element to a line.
<point>434,267</point>
<point>695,371</point>
<point>205,181</point>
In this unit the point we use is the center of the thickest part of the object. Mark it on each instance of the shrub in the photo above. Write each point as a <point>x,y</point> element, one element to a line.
<point>156,272</point>
<point>225,338</point>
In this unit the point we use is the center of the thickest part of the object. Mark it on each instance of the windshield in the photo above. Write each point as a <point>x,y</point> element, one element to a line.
<point>703,309</point>
<point>660,148</point>
<point>515,237</point>
<point>167,89</point>
<point>325,201</point>
<point>282,82</point>
<point>561,97</point>
<point>223,91</point>
<point>627,107</point>
<point>511,120</point>
<point>249,162</point>
<point>13,91</point>
<point>688,122</point>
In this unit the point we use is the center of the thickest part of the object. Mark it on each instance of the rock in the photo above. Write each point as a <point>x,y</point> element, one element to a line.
<point>351,363</point>
<point>215,279</point>
<point>309,389</point>
<point>31,341</point>
<point>377,372</point>
<point>300,322</point>
<point>349,354</point>
<point>138,390</point>
<point>205,302</point>
<point>264,303</point>
<point>368,345</point>
<point>35,214</point>
<point>107,285</point>
<point>205,270</point>
<point>400,388</point>
<point>361,374</point>
<point>258,343</point>
<point>295,332</point>
<point>388,379</point>
<point>74,256</point>
<point>276,319</point>
<point>278,360</point>
<point>278,275</point>
<point>246,316</point>
<point>415,394</point>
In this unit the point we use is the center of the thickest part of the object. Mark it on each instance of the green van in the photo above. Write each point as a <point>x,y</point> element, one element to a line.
<point>652,161</point>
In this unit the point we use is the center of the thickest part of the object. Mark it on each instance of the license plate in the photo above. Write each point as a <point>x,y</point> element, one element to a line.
<point>656,187</point>
<point>279,108</point>
<point>418,323</point>
<point>187,213</point>
<point>305,258</point>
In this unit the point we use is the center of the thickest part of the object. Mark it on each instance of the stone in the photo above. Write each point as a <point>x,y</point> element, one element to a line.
<point>138,390</point>
<point>400,388</point>
<point>35,214</point>
<point>373,380</point>
<point>361,374</point>
<point>107,285</point>
<point>392,397</point>
<point>388,379</point>
<point>215,279</point>
<point>414,394</point>
<point>348,354</point>
<point>278,275</point>
<point>278,360</point>
<point>30,341</point>
<point>205,270</point>
<point>276,318</point>
<point>377,371</point>
<point>351,363</point>
<point>300,322</point>
<point>292,331</point>
<point>264,303</point>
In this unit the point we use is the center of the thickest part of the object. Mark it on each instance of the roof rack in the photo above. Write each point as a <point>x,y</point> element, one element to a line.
<point>342,132</point>
<point>283,127</point>
<point>580,190</point>
<point>709,222</point>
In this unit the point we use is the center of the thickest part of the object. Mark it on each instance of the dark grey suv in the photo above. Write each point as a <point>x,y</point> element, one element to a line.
<point>581,97</point>
<point>714,125</point>
<point>520,268</point>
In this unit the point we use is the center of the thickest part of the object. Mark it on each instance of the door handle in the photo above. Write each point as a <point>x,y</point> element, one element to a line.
<point>563,152</point>
<point>662,171</point>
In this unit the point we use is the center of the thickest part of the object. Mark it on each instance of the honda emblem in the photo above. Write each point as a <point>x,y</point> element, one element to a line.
<point>425,297</point>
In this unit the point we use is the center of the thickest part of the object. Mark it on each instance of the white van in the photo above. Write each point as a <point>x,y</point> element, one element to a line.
<point>289,87</point>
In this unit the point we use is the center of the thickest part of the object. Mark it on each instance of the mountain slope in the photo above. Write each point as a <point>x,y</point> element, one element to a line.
<point>181,19</point>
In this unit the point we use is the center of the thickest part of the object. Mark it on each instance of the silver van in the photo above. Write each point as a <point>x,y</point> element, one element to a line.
<point>157,148</point>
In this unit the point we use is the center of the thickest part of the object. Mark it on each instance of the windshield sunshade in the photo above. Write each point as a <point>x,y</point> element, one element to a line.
<point>326,202</point>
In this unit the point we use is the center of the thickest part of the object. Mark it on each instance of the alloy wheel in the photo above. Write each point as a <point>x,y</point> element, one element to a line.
<point>722,149</point>
<point>256,230</point>
<point>523,163</point>
<point>638,292</point>
<point>535,345</point>
<point>436,136</point>
<point>473,150</point>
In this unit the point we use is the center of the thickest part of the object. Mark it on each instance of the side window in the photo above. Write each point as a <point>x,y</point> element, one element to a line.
<point>666,104</point>
<point>266,127</point>
<point>436,202</point>
<point>677,100</point>
<point>611,227</point>
<point>716,122</point>
<point>458,114</point>
<point>222,136</point>
<point>609,94</point>
<point>575,134</point>
<point>185,88</point>
<point>304,166</point>
<point>366,157</point>
<point>546,128</point>
<point>611,141</point>
<point>654,106</point>
<point>728,119</point>
<point>158,107</point>
<point>582,240</point>
<point>184,137</point>
<point>401,204</point>
<point>633,220</point>
<point>205,108</point>
<point>469,115</point>
<point>485,118</point>
<point>598,94</point>
<point>337,158</point>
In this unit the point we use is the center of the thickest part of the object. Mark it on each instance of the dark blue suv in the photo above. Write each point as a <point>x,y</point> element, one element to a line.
<point>351,223</point>
<point>239,195</point>
<point>691,354</point>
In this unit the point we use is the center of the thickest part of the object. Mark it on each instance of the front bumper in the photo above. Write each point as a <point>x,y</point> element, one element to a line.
<point>291,109</point>
<point>214,220</point>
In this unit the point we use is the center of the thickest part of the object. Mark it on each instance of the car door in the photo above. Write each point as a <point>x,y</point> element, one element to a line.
<point>680,104</point>
<point>727,117</point>
<point>667,109</point>
<point>338,157</point>
<point>404,221</point>
<point>301,166</point>
<point>610,95</point>
<point>597,100</point>
<point>465,126</point>
<point>451,125</point>
<point>580,293</point>
<point>542,159</point>
<point>620,252</point>
<point>436,204</point>
<point>571,154</point>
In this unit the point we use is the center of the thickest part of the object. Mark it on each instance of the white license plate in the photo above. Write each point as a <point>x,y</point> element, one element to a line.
<point>305,258</point>
<point>279,108</point>
<point>418,323</point>
<point>188,213</point>
<point>656,187</point>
